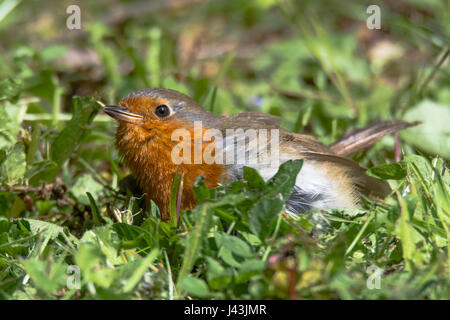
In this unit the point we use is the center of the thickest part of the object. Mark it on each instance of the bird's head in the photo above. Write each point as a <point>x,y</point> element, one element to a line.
<point>153,107</point>
<point>147,121</point>
<point>151,115</point>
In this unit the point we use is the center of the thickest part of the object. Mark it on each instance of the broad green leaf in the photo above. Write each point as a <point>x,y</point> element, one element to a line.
<point>229,199</point>
<point>7,132</point>
<point>132,272</point>
<point>84,111</point>
<point>284,180</point>
<point>37,173</point>
<point>423,166</point>
<point>263,213</point>
<point>47,275</point>
<point>12,170</point>
<point>196,287</point>
<point>48,231</point>
<point>433,134</point>
<point>96,216</point>
<point>106,239</point>
<point>228,257</point>
<point>201,191</point>
<point>254,180</point>
<point>234,244</point>
<point>394,171</point>
<point>218,277</point>
<point>248,269</point>
<point>86,183</point>
<point>134,236</point>
<point>92,263</point>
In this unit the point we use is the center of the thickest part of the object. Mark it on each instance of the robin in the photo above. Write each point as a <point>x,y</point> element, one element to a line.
<point>148,119</point>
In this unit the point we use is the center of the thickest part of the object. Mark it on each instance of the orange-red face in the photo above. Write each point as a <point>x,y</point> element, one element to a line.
<point>147,119</point>
<point>142,119</point>
<point>141,114</point>
<point>157,112</point>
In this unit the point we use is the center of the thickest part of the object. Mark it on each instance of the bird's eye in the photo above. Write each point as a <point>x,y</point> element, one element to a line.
<point>162,111</point>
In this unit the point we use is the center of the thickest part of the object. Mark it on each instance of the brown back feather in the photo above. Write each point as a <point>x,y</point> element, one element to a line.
<point>254,120</point>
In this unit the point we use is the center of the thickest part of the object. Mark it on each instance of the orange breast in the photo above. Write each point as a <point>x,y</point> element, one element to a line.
<point>148,154</point>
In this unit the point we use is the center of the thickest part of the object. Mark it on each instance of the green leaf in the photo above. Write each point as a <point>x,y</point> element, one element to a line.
<point>131,273</point>
<point>47,275</point>
<point>263,213</point>
<point>201,191</point>
<point>249,268</point>
<point>433,134</point>
<point>7,129</point>
<point>177,185</point>
<point>218,277</point>
<point>422,165</point>
<point>105,238</point>
<point>92,263</point>
<point>254,180</point>
<point>12,170</point>
<point>37,173</point>
<point>134,236</point>
<point>86,183</point>
<point>9,89</point>
<point>284,180</point>
<point>406,231</point>
<point>194,242</point>
<point>234,244</point>
<point>228,257</point>
<point>96,216</point>
<point>394,171</point>
<point>196,287</point>
<point>84,111</point>
<point>48,229</point>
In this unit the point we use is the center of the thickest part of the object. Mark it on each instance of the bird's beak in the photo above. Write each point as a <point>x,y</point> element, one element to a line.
<point>123,114</point>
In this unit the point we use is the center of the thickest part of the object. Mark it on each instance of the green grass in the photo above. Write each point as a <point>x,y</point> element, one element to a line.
<point>68,212</point>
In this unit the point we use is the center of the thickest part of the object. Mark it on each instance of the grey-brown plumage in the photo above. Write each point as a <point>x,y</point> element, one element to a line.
<point>312,149</point>
<point>327,179</point>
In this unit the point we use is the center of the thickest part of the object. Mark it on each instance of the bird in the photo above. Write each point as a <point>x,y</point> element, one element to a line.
<point>148,119</point>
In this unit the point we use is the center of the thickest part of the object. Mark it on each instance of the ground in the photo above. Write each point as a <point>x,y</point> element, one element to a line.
<point>68,232</point>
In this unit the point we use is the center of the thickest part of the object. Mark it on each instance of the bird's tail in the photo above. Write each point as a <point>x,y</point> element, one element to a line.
<point>360,139</point>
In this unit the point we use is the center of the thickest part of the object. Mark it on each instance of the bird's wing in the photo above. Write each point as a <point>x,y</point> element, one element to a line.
<point>302,142</point>
<point>309,148</point>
